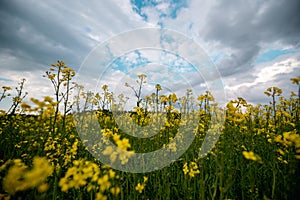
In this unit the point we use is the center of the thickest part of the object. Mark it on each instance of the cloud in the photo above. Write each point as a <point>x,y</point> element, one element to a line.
<point>245,28</point>
<point>271,54</point>
<point>250,42</point>
<point>47,31</point>
<point>156,11</point>
<point>34,84</point>
<point>276,73</point>
<point>35,34</point>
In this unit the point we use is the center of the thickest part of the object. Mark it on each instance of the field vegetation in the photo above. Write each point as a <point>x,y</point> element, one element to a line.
<point>44,156</point>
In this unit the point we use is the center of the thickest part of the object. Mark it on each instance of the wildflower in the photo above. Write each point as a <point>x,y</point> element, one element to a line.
<point>296,80</point>
<point>25,106</point>
<point>110,151</point>
<point>63,183</point>
<point>20,177</point>
<point>107,132</point>
<point>269,140</point>
<point>116,137</point>
<point>145,179</point>
<point>100,196</point>
<point>104,183</point>
<point>43,187</point>
<point>74,148</point>
<point>142,76</point>
<point>140,187</point>
<point>252,156</point>
<point>123,144</point>
<point>280,151</point>
<point>185,168</point>
<point>48,99</point>
<point>41,169</point>
<point>5,88</point>
<point>191,169</point>
<point>244,148</point>
<point>115,190</point>
<point>105,87</point>
<point>273,91</point>
<point>125,155</point>
<point>288,139</point>
<point>112,173</point>
<point>249,155</point>
<point>282,160</point>
<point>84,173</point>
<point>172,146</point>
<point>158,87</point>
<point>173,98</point>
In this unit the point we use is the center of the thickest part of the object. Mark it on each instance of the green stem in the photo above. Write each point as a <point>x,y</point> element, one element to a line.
<point>55,186</point>
<point>274,184</point>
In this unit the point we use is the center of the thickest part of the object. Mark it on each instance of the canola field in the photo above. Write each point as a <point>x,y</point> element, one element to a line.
<point>45,155</point>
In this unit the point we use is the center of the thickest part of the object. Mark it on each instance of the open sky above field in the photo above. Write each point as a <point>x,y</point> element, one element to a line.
<point>254,44</point>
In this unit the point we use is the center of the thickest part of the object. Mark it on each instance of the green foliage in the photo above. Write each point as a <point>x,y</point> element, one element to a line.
<point>42,156</point>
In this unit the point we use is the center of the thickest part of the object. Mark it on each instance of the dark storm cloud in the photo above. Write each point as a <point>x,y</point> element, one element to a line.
<point>244,27</point>
<point>238,61</point>
<point>41,32</point>
<point>34,31</point>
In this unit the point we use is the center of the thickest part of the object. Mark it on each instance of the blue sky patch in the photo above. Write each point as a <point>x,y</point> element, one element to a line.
<point>167,38</point>
<point>216,58</point>
<point>173,7</point>
<point>5,79</point>
<point>126,64</point>
<point>136,59</point>
<point>271,54</point>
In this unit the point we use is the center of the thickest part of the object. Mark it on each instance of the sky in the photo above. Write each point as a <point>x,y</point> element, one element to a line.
<point>249,45</point>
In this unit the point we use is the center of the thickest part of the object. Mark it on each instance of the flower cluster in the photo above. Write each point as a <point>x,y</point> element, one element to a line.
<point>250,155</point>
<point>88,175</point>
<point>141,186</point>
<point>20,177</point>
<point>191,169</point>
<point>42,155</point>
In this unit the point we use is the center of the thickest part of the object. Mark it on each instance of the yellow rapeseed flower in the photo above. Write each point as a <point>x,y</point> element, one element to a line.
<point>173,98</point>
<point>145,179</point>
<point>20,177</point>
<point>296,80</point>
<point>249,155</point>
<point>252,156</point>
<point>115,190</point>
<point>280,151</point>
<point>185,168</point>
<point>172,147</point>
<point>140,187</point>
<point>191,169</point>
<point>43,187</point>
<point>123,144</point>
<point>104,183</point>
<point>100,196</point>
